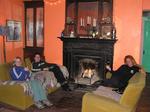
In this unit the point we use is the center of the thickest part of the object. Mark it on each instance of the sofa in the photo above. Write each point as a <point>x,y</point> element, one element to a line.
<point>14,95</point>
<point>127,103</point>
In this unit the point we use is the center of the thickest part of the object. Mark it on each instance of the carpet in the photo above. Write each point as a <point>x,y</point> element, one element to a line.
<point>63,102</point>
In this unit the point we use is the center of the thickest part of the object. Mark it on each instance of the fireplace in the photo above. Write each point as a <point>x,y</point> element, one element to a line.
<point>88,71</point>
<point>86,58</point>
<point>87,68</point>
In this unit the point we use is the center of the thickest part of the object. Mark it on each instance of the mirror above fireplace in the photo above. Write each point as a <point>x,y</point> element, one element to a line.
<point>89,19</point>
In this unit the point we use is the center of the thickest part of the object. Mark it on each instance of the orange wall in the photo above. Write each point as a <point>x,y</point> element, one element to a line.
<point>128,20</point>
<point>12,10</point>
<point>54,24</point>
<point>146,4</point>
<point>127,17</point>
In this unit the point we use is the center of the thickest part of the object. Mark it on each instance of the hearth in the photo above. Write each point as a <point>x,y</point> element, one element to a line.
<point>86,58</point>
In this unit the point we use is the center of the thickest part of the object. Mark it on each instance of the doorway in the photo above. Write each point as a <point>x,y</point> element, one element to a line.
<point>146,41</point>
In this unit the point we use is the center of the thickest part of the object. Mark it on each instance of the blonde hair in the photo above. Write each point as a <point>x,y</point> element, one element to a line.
<point>14,63</point>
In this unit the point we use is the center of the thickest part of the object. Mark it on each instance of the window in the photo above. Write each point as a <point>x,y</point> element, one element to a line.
<point>34,25</point>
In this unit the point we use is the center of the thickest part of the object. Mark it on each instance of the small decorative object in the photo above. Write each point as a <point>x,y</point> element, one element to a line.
<point>14,30</point>
<point>72,34</point>
<point>114,32</point>
<point>106,31</point>
<point>94,34</point>
<point>69,20</point>
<point>62,33</point>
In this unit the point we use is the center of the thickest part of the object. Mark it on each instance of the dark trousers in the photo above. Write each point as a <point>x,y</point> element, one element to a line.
<point>57,72</point>
<point>115,82</point>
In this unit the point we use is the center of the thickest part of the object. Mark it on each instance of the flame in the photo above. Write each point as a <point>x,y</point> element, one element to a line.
<point>88,73</point>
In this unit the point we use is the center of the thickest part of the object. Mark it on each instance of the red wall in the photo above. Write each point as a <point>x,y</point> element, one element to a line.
<point>11,10</point>
<point>127,17</point>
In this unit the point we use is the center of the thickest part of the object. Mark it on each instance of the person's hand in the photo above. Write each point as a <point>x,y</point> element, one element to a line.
<point>108,67</point>
<point>26,69</point>
<point>45,69</point>
<point>142,71</point>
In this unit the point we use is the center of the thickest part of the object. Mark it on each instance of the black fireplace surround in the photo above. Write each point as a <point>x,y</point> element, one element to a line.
<point>76,49</point>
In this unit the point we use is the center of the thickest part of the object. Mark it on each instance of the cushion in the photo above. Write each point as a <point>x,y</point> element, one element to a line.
<point>107,92</point>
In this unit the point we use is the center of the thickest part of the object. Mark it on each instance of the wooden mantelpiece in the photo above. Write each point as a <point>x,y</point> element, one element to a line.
<point>87,39</point>
<point>74,49</point>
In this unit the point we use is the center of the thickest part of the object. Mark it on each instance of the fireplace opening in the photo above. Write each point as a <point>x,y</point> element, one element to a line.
<point>88,72</point>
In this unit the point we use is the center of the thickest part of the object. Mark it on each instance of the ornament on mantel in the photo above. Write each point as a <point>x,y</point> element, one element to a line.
<point>53,2</point>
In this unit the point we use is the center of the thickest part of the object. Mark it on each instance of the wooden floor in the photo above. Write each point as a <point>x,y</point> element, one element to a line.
<point>144,103</point>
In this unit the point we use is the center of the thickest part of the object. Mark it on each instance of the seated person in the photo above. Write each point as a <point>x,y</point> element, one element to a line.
<point>122,75</point>
<point>40,65</point>
<point>19,73</point>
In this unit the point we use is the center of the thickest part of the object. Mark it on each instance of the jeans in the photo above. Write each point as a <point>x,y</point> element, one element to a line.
<point>39,93</point>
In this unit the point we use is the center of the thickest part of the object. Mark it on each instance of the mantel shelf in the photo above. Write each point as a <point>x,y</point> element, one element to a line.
<point>87,39</point>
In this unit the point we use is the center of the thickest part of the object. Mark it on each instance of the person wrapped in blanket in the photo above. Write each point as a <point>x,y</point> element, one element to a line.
<point>122,75</point>
<point>20,73</point>
<point>39,66</point>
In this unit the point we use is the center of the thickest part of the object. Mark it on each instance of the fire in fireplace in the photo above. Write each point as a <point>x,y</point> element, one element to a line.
<point>88,71</point>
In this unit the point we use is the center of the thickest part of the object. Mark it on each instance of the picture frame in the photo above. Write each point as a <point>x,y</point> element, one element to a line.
<point>106,31</point>
<point>14,30</point>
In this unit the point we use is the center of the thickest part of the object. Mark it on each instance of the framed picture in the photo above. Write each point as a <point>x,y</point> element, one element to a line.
<point>106,31</point>
<point>14,30</point>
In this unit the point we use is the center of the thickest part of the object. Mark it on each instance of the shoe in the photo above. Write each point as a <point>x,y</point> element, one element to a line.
<point>119,91</point>
<point>39,105</point>
<point>65,87</point>
<point>47,103</point>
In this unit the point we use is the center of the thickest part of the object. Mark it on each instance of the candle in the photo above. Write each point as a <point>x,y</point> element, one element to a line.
<point>94,22</point>
<point>90,20</point>
<point>87,19</point>
<point>81,22</point>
